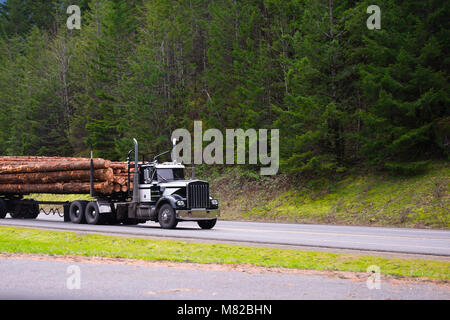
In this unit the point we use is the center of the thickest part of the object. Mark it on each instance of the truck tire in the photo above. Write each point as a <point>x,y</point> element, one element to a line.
<point>92,214</point>
<point>207,224</point>
<point>166,217</point>
<point>3,209</point>
<point>77,210</point>
<point>16,212</point>
<point>32,210</point>
<point>25,209</point>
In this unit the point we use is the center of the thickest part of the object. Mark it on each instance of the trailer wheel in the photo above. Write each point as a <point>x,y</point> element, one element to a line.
<point>207,224</point>
<point>15,213</point>
<point>166,217</point>
<point>3,209</point>
<point>25,209</point>
<point>32,210</point>
<point>76,211</point>
<point>92,214</point>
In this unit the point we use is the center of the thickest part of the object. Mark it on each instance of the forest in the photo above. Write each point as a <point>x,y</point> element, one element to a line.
<point>343,96</point>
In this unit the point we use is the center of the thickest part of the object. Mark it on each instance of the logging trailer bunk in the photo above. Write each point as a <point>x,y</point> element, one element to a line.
<point>160,193</point>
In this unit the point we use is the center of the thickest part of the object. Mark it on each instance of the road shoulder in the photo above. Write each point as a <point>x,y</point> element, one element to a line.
<point>244,268</point>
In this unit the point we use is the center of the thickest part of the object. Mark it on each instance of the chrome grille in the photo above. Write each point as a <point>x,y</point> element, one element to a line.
<point>198,195</point>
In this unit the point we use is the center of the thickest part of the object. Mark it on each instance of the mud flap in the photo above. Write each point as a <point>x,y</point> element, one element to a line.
<point>66,212</point>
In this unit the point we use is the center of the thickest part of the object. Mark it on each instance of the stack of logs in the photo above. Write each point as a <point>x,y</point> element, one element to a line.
<point>61,175</point>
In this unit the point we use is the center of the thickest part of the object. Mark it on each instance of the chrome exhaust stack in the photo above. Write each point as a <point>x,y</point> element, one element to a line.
<point>136,173</point>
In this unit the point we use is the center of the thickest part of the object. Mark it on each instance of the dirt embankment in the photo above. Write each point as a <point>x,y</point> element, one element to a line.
<point>365,199</point>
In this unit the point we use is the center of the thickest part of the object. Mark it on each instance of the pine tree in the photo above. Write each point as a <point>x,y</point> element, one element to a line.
<point>405,85</point>
<point>17,17</point>
<point>33,113</point>
<point>320,83</point>
<point>102,49</point>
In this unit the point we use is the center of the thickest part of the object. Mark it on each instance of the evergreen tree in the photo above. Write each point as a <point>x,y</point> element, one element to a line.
<point>33,113</point>
<point>405,86</point>
<point>20,16</point>
<point>100,63</point>
<point>320,84</point>
<point>341,94</point>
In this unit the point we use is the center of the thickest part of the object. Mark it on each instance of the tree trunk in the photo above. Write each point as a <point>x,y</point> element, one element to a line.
<point>55,166</point>
<point>57,188</point>
<point>101,175</point>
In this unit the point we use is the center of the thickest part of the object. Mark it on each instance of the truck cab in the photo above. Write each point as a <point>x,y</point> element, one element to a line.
<point>161,193</point>
<point>164,189</point>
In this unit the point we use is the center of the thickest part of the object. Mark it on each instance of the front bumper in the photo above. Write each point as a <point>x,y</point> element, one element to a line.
<point>197,214</point>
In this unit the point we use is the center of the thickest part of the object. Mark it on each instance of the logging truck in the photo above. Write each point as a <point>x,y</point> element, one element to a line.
<point>153,191</point>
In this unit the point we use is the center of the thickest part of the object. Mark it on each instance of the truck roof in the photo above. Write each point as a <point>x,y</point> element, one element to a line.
<point>169,165</point>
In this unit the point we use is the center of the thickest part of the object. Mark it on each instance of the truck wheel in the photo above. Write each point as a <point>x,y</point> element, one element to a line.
<point>3,209</point>
<point>92,214</point>
<point>25,209</point>
<point>16,213</point>
<point>30,210</point>
<point>207,224</point>
<point>166,217</point>
<point>76,211</point>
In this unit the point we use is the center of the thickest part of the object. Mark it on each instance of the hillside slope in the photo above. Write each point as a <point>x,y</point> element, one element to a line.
<point>374,199</point>
<point>421,201</point>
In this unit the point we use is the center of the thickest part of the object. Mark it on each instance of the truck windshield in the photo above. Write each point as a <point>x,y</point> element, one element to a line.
<point>170,174</point>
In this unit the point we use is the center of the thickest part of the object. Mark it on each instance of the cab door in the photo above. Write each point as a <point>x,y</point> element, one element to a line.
<point>145,194</point>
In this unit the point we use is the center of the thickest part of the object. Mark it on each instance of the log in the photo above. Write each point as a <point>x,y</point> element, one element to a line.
<point>55,166</point>
<point>117,187</point>
<point>122,166</point>
<point>38,159</point>
<point>57,188</point>
<point>58,176</point>
<point>119,165</point>
<point>61,175</point>
<point>34,162</point>
<point>120,180</point>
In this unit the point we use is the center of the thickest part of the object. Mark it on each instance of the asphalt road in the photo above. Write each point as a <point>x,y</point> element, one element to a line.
<point>48,280</point>
<point>396,240</point>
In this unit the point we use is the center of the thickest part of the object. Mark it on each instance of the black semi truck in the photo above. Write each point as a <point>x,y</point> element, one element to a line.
<point>160,193</point>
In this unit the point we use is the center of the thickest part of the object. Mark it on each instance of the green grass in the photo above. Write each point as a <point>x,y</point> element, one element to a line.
<point>59,197</point>
<point>356,199</point>
<point>32,241</point>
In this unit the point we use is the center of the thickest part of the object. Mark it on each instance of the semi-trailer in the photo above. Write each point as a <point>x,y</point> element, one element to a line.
<point>156,192</point>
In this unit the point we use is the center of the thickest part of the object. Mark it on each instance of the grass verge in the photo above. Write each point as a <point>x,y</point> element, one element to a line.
<point>21,240</point>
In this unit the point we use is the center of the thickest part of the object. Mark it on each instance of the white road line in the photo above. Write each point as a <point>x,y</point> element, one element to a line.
<point>335,234</point>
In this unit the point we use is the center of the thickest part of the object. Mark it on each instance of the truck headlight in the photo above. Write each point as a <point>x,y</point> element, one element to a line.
<point>180,203</point>
<point>214,202</point>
